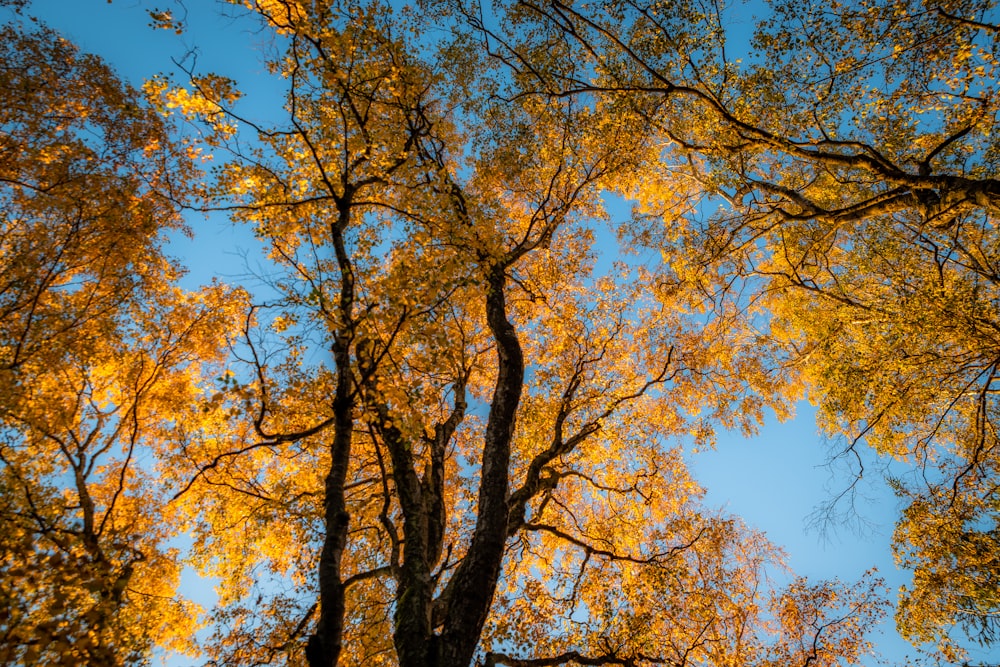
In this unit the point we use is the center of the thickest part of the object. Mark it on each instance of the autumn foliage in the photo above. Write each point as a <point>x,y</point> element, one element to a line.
<point>857,156</point>
<point>450,427</point>
<point>98,348</point>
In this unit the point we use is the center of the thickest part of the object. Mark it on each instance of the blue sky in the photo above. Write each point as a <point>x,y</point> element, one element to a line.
<point>773,481</point>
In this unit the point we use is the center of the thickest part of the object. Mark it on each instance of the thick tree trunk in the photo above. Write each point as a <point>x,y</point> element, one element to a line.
<point>323,649</point>
<point>424,516</point>
<point>412,630</point>
<point>470,591</point>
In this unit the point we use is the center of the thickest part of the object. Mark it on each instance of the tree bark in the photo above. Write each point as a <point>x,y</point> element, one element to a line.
<point>470,591</point>
<point>323,649</point>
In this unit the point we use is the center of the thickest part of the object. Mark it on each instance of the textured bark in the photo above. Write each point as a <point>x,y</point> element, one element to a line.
<point>422,504</point>
<point>470,591</point>
<point>323,649</point>
<point>414,590</point>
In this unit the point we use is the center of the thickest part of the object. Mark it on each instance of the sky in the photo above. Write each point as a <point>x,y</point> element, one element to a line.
<point>774,481</point>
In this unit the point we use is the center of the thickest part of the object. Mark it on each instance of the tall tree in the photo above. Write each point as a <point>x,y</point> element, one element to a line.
<point>856,149</point>
<point>97,348</point>
<point>466,424</point>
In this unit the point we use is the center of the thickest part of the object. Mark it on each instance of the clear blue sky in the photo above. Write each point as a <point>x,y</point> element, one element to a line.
<point>773,481</point>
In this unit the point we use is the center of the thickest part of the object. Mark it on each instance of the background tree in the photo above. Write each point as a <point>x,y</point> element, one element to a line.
<point>481,464</point>
<point>856,149</point>
<point>97,349</point>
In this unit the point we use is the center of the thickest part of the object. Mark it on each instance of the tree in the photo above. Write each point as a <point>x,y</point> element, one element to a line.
<point>97,349</point>
<point>856,152</point>
<point>451,410</point>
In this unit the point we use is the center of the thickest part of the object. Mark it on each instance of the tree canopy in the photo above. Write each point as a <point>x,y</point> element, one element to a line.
<point>450,429</point>
<point>98,348</point>
<point>856,152</point>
